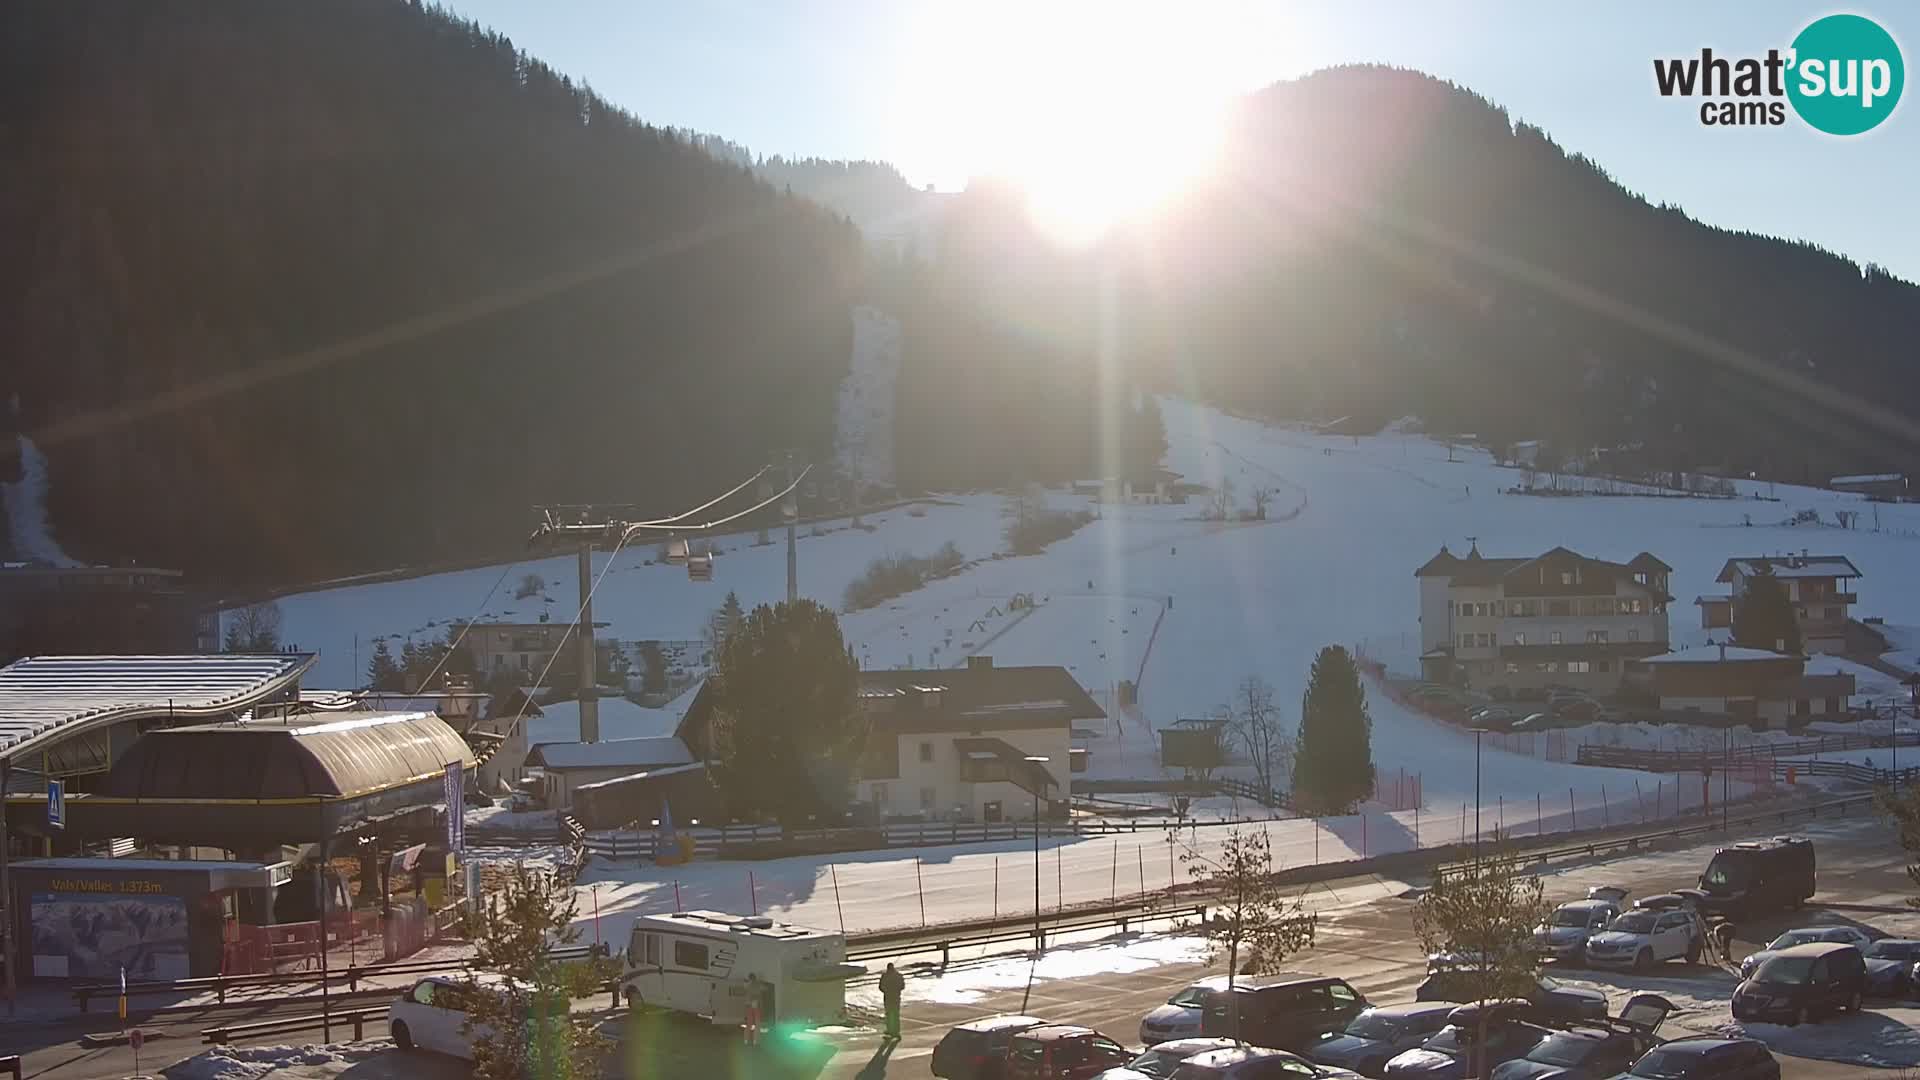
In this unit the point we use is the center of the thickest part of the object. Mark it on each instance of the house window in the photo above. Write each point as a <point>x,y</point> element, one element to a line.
<point>1578,667</point>
<point>1633,635</point>
<point>1522,608</point>
<point>1659,607</point>
<point>1466,641</point>
<point>880,796</point>
<point>1833,705</point>
<point>1485,641</point>
<point>926,798</point>
<point>1596,637</point>
<point>926,751</point>
<point>689,954</point>
<point>1566,577</point>
<point>1519,639</point>
<point>1802,707</point>
<point>1641,577</point>
<point>1513,668</point>
<point>1486,667</point>
<point>1551,667</point>
<point>1499,608</point>
<point>1800,611</point>
<point>1555,637</point>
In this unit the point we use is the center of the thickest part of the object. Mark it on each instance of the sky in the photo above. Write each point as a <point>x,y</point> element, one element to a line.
<point>947,90</point>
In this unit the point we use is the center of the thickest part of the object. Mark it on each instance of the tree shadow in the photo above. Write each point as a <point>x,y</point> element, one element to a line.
<point>665,1046</point>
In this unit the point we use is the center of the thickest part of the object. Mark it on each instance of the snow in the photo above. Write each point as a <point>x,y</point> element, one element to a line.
<point>615,753</point>
<point>965,985</point>
<point>1185,608</point>
<point>504,820</point>
<point>260,1062</point>
<point>1713,654</point>
<point>25,500</point>
<point>620,719</point>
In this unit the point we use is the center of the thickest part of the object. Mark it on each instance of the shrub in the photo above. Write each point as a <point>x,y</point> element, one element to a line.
<point>896,575</point>
<point>1030,533</point>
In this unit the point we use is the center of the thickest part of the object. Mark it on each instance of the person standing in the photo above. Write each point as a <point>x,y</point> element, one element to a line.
<point>752,1025</point>
<point>891,985</point>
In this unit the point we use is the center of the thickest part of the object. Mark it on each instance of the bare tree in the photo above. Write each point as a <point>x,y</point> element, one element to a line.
<point>254,628</point>
<point>1249,916</point>
<point>1481,918</point>
<point>531,585</point>
<point>1261,497</point>
<point>1222,509</point>
<point>1254,722</point>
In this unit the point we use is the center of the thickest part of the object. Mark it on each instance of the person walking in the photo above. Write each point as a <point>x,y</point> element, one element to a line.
<point>891,985</point>
<point>752,1024</point>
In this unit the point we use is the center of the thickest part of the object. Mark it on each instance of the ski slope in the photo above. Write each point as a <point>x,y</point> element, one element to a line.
<point>1186,607</point>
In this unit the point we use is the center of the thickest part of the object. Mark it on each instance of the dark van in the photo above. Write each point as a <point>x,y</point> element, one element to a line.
<point>1803,983</point>
<point>1759,875</point>
<point>1284,1012</point>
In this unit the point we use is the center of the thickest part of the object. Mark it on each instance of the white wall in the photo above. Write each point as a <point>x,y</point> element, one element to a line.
<point>942,775</point>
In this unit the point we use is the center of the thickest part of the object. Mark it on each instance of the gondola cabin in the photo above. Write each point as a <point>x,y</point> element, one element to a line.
<point>677,551</point>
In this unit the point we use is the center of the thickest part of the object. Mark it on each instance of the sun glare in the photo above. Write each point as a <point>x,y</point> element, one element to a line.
<point>1099,113</point>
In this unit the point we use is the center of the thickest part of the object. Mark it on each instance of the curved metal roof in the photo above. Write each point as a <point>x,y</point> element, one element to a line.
<point>46,698</point>
<point>332,756</point>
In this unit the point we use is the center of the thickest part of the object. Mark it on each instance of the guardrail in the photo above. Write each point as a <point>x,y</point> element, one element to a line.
<point>351,976</point>
<point>907,943</point>
<point>713,843</point>
<point>1621,757</point>
<point>1639,840</point>
<point>355,1018</point>
<point>11,1063</point>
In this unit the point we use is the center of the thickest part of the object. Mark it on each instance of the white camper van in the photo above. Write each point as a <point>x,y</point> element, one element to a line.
<point>704,963</point>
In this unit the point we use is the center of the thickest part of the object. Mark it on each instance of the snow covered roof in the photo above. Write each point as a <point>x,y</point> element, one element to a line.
<point>620,719</point>
<point>47,698</point>
<point>1714,654</point>
<point>1789,566</point>
<point>614,754</point>
<point>1704,599</point>
<point>1869,478</point>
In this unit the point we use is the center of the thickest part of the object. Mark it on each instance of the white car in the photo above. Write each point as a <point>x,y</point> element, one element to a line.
<point>1806,935</point>
<point>432,1015</point>
<point>1640,938</point>
<point>1256,1063</point>
<point>1159,1062</point>
<point>1180,1017</point>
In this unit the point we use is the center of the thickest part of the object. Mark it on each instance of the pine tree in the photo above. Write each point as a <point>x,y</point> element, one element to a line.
<point>522,1024</point>
<point>787,728</point>
<point>1333,767</point>
<point>1763,616</point>
<point>382,672</point>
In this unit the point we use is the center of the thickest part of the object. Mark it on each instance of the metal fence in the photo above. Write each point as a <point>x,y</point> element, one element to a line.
<point>1620,757</point>
<point>713,843</point>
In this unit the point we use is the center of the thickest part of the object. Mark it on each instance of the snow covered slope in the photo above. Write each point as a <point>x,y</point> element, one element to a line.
<point>1183,606</point>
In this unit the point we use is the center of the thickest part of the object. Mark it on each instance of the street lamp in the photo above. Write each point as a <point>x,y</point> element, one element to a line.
<point>1040,762</point>
<point>1912,683</point>
<point>1477,732</point>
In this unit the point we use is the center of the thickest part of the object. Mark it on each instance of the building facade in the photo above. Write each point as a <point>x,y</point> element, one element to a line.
<point>100,610</point>
<point>1758,686</point>
<point>1526,624</point>
<point>525,648</point>
<point>1820,587</point>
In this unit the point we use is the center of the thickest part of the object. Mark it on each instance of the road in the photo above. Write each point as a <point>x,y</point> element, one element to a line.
<point>1364,936</point>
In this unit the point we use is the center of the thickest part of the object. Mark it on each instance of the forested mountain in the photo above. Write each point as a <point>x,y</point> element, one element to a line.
<point>305,289</point>
<point>1379,243</point>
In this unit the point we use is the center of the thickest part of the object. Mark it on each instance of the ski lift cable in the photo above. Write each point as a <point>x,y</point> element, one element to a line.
<point>513,726</point>
<point>637,526</point>
<point>464,628</point>
<point>706,505</point>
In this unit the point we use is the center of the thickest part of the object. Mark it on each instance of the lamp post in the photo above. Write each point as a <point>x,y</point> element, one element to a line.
<point>1477,732</point>
<point>1912,683</point>
<point>1039,760</point>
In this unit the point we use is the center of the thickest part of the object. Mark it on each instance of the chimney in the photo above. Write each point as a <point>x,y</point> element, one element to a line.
<point>979,663</point>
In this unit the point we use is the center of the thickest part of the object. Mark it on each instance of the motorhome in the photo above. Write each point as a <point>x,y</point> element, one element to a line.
<point>711,964</point>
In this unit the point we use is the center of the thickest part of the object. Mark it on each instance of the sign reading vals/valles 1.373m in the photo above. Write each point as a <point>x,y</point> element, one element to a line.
<point>456,794</point>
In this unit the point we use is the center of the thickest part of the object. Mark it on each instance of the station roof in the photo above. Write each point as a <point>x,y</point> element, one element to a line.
<point>44,699</point>
<point>329,756</point>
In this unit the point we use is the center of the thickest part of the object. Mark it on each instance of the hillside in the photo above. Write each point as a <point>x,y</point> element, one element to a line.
<point>1378,243</point>
<point>302,290</point>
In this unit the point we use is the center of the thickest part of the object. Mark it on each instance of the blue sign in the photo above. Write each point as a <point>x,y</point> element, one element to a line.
<point>56,805</point>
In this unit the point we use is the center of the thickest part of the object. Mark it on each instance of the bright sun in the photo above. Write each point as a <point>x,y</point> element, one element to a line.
<point>1100,112</point>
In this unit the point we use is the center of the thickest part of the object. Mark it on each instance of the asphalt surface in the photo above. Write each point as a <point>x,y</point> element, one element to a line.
<point>1365,936</point>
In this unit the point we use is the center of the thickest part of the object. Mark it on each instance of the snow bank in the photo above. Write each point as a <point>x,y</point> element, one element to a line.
<point>965,985</point>
<point>258,1062</point>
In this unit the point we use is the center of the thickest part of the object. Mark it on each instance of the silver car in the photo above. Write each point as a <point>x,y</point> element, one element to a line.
<point>1564,935</point>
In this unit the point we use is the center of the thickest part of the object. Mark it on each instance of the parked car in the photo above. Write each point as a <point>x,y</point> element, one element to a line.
<point>1612,894</point>
<point>1564,935</point>
<point>1159,1061</point>
<point>1707,1059</point>
<point>1538,721</point>
<point>1378,1035</point>
<point>1448,1054</point>
<point>1285,1011</point>
<point>1890,967</point>
<point>1759,875</point>
<point>1803,983</point>
<point>432,1015</point>
<point>1806,935</point>
<point>1062,1052</point>
<point>1552,999</point>
<point>1593,1050</point>
<point>1255,1063</point>
<point>1641,938</point>
<point>977,1049</point>
<point>1497,717</point>
<point>1181,1016</point>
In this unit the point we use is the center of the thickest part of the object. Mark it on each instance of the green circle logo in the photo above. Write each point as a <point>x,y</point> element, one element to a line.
<point>1847,74</point>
